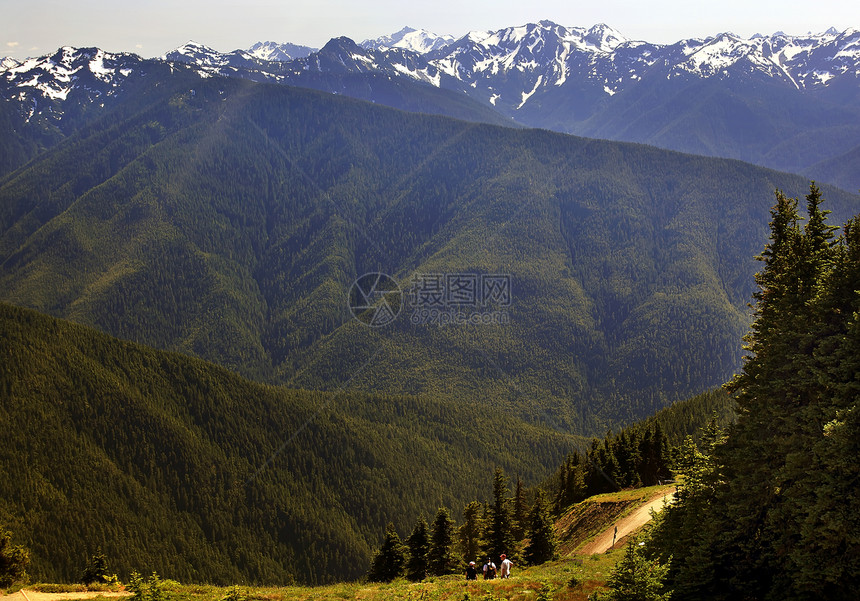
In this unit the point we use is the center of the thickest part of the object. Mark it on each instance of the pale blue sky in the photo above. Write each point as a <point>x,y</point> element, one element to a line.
<point>153,27</point>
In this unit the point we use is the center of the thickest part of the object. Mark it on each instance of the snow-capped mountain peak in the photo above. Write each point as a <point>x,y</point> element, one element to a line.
<point>511,68</point>
<point>604,38</point>
<point>416,40</point>
<point>280,52</point>
<point>193,52</point>
<point>54,77</point>
<point>8,63</point>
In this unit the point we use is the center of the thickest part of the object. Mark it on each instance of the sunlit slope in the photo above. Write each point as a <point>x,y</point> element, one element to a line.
<point>228,220</point>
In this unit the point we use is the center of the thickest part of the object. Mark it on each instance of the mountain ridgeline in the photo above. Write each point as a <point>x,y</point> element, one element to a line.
<point>758,99</point>
<point>228,220</point>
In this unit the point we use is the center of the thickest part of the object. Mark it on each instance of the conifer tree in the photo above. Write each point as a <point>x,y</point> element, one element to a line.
<point>767,398</point>
<point>520,511</point>
<point>564,473</point>
<point>572,483</point>
<point>441,559</point>
<point>625,448</point>
<point>14,560</point>
<point>773,516</point>
<point>469,533</point>
<point>636,578</point>
<point>417,545</point>
<point>653,457</point>
<point>96,569</point>
<point>688,531</point>
<point>826,551</point>
<point>389,560</point>
<point>499,536</point>
<point>542,543</point>
<point>602,468</point>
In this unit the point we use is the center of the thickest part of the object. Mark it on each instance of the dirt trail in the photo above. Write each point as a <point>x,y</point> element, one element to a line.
<point>626,525</point>
<point>28,595</point>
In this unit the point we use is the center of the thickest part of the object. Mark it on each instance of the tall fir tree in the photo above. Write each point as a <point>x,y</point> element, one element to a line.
<point>636,577</point>
<point>14,560</point>
<point>441,558</point>
<point>96,570</point>
<point>389,560</point>
<point>653,456</point>
<point>775,517</point>
<point>541,534</point>
<point>520,511</point>
<point>469,541</point>
<point>766,391</point>
<point>686,535</point>
<point>417,548</point>
<point>500,536</point>
<point>825,472</point>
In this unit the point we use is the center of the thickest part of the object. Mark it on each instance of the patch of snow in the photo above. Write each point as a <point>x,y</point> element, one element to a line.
<point>561,68</point>
<point>8,63</point>
<point>449,66</point>
<point>822,76</point>
<point>97,67</point>
<point>27,65</point>
<point>527,95</point>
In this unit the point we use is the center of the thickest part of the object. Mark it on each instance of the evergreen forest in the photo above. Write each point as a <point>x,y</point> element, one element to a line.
<point>170,464</point>
<point>228,220</point>
<point>768,508</point>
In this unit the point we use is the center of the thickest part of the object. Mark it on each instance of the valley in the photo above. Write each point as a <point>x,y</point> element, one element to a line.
<point>265,312</point>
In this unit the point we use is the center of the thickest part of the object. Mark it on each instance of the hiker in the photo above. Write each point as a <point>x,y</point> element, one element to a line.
<point>471,572</point>
<point>505,571</point>
<point>489,570</point>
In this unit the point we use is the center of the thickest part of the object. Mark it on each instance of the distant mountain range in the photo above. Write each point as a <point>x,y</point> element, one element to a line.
<point>779,100</point>
<point>782,101</point>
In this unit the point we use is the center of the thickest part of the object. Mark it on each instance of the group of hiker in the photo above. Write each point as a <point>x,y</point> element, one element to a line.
<point>489,569</point>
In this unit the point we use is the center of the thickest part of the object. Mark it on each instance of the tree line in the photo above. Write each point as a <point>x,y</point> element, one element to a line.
<point>768,507</point>
<point>507,525</point>
<point>521,524</point>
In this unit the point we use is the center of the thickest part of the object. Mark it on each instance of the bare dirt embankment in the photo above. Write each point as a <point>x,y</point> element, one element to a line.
<point>589,527</point>
<point>627,525</point>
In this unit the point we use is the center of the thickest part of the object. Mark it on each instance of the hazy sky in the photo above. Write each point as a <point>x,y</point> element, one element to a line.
<point>153,27</point>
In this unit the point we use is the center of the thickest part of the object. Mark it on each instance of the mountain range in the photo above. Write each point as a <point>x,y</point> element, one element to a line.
<point>229,219</point>
<point>757,99</point>
<point>253,248</point>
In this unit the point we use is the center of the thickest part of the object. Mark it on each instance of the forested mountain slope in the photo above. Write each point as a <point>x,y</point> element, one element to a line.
<point>169,463</point>
<point>228,220</point>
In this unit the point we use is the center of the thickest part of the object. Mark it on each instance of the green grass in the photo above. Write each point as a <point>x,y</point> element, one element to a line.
<point>571,578</point>
<point>588,573</point>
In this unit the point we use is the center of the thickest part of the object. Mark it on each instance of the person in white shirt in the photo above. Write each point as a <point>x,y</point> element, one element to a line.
<point>505,571</point>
